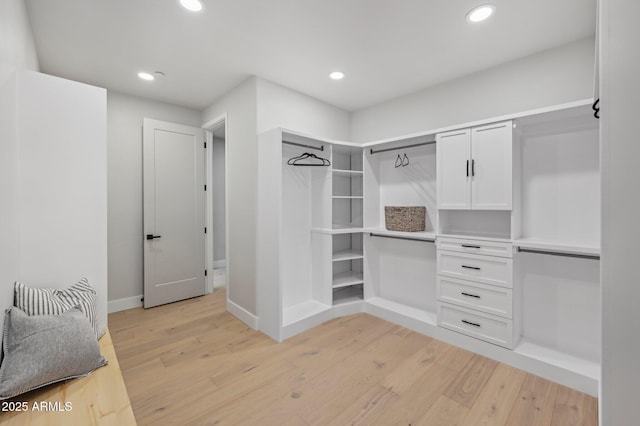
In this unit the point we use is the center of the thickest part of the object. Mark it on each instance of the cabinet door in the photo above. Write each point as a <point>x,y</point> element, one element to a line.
<point>491,166</point>
<point>453,169</point>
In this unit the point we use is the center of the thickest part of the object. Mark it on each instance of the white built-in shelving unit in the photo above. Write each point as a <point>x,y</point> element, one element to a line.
<point>556,232</point>
<point>293,262</point>
<point>398,264</point>
<point>347,188</point>
<point>347,215</point>
<point>507,265</point>
<point>475,289</point>
<point>558,182</point>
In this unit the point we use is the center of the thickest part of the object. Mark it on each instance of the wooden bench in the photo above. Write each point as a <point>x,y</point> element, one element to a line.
<point>98,399</point>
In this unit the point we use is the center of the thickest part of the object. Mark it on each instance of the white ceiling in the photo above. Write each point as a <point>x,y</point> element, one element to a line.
<point>386,48</point>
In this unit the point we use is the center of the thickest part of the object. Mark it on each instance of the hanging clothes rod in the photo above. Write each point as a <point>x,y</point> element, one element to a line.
<point>371,234</point>
<point>401,147</point>
<point>305,146</point>
<point>555,253</point>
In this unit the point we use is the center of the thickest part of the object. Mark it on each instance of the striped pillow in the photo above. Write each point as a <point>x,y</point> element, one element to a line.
<point>50,301</point>
<point>38,301</point>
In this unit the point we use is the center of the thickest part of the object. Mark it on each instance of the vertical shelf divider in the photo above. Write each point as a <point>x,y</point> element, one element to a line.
<point>347,213</point>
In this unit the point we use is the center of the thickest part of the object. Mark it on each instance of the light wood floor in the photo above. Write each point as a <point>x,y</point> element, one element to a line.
<point>192,363</point>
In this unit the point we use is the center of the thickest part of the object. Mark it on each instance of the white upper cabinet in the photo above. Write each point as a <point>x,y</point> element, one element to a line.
<point>475,168</point>
<point>453,165</point>
<point>491,175</point>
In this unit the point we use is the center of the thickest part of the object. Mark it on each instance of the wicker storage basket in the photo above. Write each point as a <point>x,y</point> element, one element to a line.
<point>406,219</point>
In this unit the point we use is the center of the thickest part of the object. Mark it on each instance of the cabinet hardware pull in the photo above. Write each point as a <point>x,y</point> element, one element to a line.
<point>475,324</point>
<point>470,295</point>
<point>468,246</point>
<point>467,168</point>
<point>473,168</point>
<point>471,267</point>
<point>152,237</point>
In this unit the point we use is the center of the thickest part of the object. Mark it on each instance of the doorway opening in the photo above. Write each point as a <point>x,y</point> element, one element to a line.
<point>216,137</point>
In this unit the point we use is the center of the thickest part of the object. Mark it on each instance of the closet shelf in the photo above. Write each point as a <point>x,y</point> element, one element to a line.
<point>303,310</point>
<point>567,247</point>
<point>424,236</point>
<point>347,255</point>
<point>345,295</point>
<point>346,279</point>
<point>479,237</point>
<point>560,359</point>
<point>337,229</point>
<point>406,311</point>
<point>338,172</point>
<point>348,197</point>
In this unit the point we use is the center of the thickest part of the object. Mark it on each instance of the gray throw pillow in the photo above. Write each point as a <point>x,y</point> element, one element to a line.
<point>44,349</point>
<point>51,301</point>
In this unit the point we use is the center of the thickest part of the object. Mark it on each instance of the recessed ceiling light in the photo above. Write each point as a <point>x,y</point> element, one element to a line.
<point>336,75</point>
<point>146,76</point>
<point>481,13</point>
<point>192,5</point>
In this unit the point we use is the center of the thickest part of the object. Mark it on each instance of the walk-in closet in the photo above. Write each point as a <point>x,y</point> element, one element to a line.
<point>505,261</point>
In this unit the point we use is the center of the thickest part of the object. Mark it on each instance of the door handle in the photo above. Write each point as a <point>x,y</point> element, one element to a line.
<point>152,237</point>
<point>475,324</point>
<point>465,266</point>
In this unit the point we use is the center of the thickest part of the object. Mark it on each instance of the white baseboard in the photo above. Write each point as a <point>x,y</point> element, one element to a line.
<point>124,304</point>
<point>242,314</point>
<point>219,264</point>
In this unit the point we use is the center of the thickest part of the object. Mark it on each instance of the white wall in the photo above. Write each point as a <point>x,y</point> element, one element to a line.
<point>62,184</point>
<point>124,171</point>
<point>218,193</point>
<point>620,275</point>
<point>555,76</point>
<point>9,214</point>
<point>279,106</point>
<point>17,51</point>
<point>53,224</point>
<point>242,160</point>
<point>17,47</point>
<point>254,106</point>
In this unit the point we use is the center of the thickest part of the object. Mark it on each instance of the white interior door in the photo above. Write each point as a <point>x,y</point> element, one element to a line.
<point>174,194</point>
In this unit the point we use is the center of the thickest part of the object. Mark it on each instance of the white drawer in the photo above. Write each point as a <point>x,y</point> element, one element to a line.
<point>489,328</point>
<point>486,298</point>
<point>485,269</point>
<point>489,248</point>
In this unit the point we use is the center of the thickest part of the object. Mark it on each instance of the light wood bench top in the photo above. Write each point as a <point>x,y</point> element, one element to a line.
<point>98,399</point>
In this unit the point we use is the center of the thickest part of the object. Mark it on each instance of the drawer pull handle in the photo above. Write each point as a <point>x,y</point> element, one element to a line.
<point>475,324</point>
<point>470,295</point>
<point>468,246</point>
<point>471,267</point>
